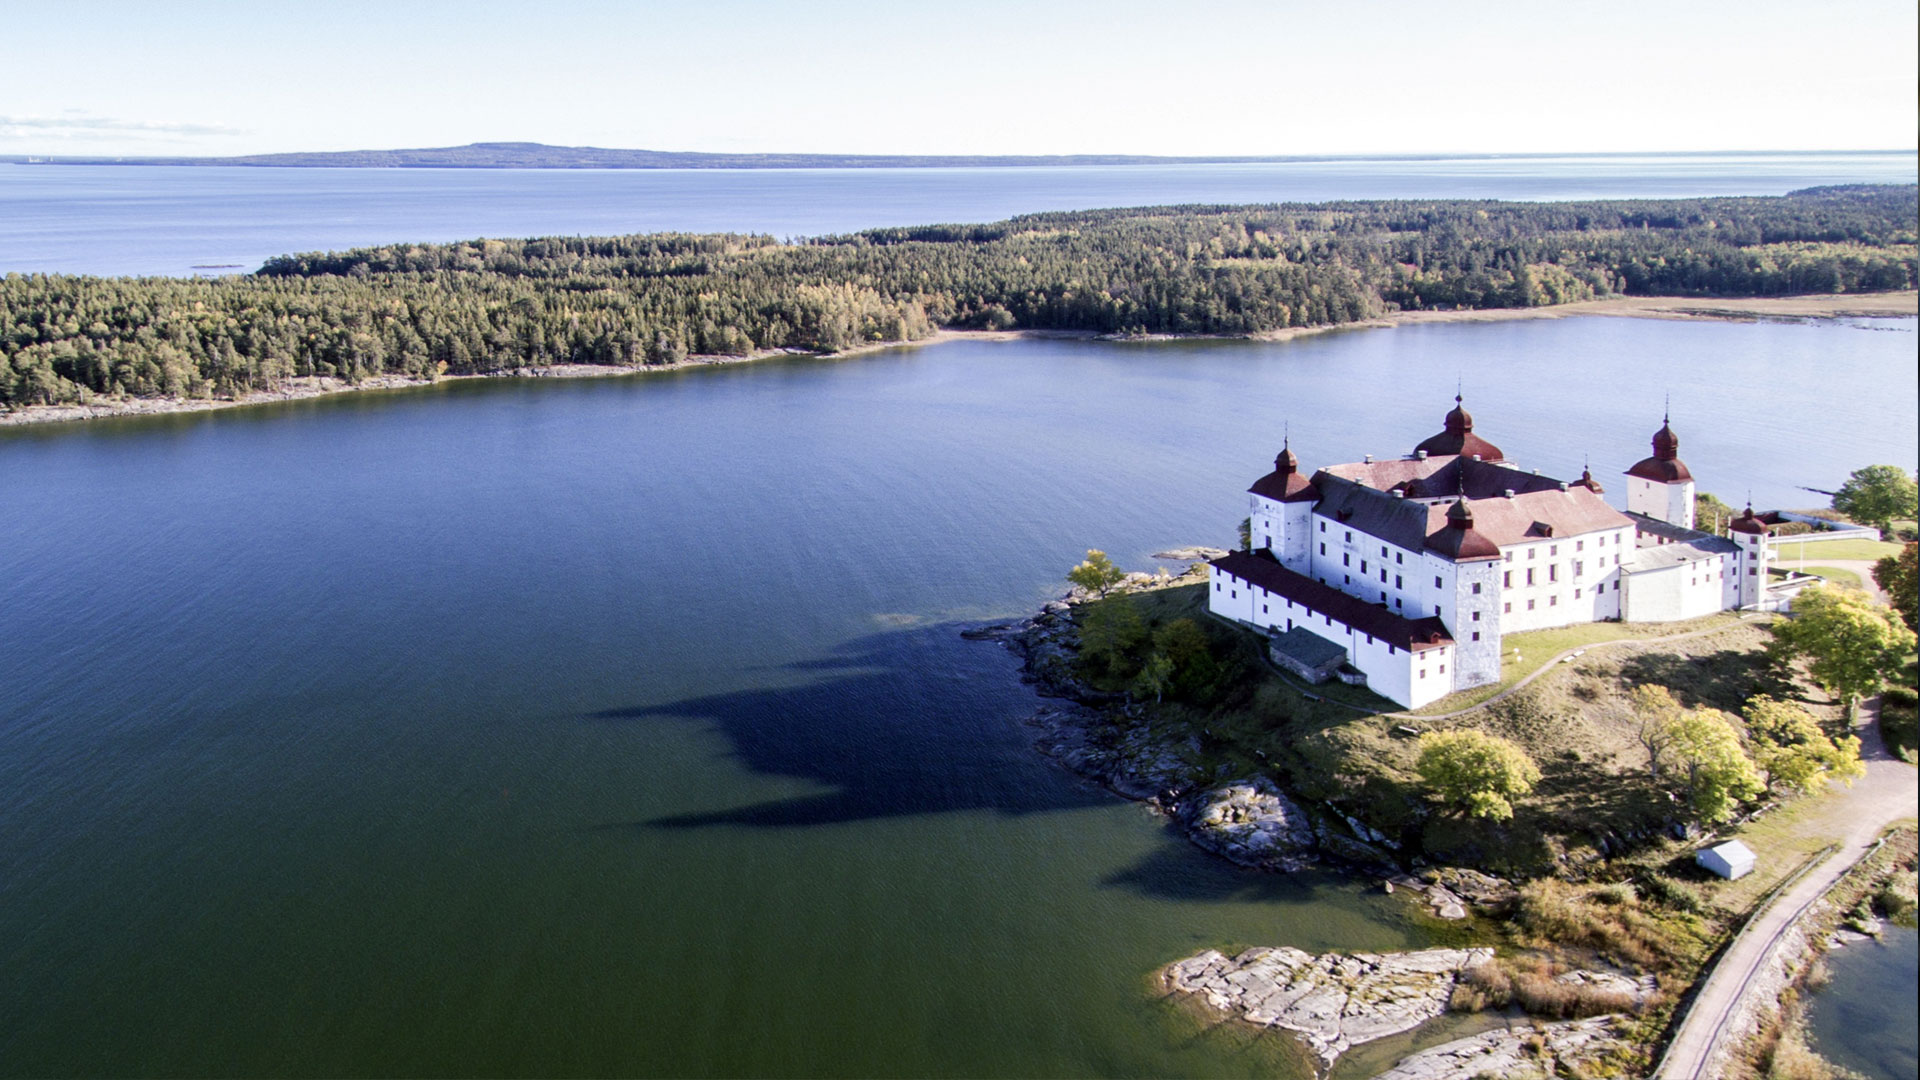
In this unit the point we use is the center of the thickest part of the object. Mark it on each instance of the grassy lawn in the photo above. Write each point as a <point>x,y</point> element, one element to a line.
<point>1537,647</point>
<point>1793,549</point>
<point>1835,575</point>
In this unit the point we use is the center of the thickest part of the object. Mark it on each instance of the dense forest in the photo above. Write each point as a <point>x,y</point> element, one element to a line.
<point>505,305</point>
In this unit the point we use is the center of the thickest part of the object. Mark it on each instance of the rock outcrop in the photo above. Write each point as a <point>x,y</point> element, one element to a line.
<point>1252,823</point>
<point>1332,1001</point>
<point>1529,1050</point>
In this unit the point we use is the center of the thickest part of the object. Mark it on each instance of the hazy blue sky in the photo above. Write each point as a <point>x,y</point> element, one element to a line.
<point>1280,77</point>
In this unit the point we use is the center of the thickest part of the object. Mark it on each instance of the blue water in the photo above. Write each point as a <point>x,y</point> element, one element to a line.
<point>622,727</point>
<point>1863,1019</point>
<point>156,220</point>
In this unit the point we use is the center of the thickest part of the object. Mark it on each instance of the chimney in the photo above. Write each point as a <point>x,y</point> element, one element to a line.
<point>1368,460</point>
<point>1563,485</point>
<point>1420,455</point>
<point>1399,493</point>
<point>1509,493</point>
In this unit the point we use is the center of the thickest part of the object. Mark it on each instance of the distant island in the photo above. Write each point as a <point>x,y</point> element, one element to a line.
<point>529,155</point>
<point>422,311</point>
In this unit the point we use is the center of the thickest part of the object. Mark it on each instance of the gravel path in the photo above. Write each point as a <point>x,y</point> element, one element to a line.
<point>1852,818</point>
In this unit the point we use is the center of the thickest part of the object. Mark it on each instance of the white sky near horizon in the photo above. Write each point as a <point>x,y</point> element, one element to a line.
<point>985,77</point>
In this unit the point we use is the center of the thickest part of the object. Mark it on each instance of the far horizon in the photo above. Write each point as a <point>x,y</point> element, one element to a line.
<point>522,154</point>
<point>989,78</point>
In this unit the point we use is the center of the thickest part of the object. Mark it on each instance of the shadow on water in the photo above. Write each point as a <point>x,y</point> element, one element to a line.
<point>897,723</point>
<point>1180,872</point>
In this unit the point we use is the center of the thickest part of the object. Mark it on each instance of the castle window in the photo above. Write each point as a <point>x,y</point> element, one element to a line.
<point>1349,536</point>
<point>1553,601</point>
<point>1443,669</point>
<point>1396,581</point>
<point>1529,605</point>
<point>1269,541</point>
<point>1263,609</point>
<point>1476,616</point>
<point>1346,560</point>
<point>1363,566</point>
<point>1323,547</point>
<point>1397,560</point>
<point>1476,635</point>
<point>1476,588</point>
<point>1507,608</point>
<point>1323,526</point>
<point>1423,673</point>
<point>1532,552</point>
<point>1576,594</point>
<point>1346,579</point>
<point>1396,603</point>
<point>1216,586</point>
<point>1234,595</point>
<point>1553,549</point>
<point>1506,580</point>
<point>1529,576</point>
<point>1579,545</point>
<point>1553,572</point>
<point>1436,581</point>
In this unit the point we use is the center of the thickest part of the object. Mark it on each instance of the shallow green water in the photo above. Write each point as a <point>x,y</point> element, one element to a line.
<point>623,726</point>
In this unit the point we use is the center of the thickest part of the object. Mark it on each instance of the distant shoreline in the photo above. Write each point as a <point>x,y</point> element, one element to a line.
<point>509,155</point>
<point>1850,305</point>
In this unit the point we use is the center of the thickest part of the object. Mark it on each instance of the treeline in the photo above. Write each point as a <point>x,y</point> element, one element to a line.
<point>494,305</point>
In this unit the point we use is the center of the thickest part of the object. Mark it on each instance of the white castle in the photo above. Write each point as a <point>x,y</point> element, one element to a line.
<point>1403,573</point>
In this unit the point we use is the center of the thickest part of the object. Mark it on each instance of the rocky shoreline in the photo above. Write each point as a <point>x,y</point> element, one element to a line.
<point>1335,1001</point>
<point>1250,821</point>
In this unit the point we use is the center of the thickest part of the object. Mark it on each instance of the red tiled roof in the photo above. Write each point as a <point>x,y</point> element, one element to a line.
<point>1262,569</point>
<point>1458,437</point>
<point>1284,487</point>
<point>1538,509</point>
<point>1284,483</point>
<point>1660,470</point>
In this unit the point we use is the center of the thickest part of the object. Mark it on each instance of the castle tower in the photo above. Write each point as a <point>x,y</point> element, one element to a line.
<point>1280,511</point>
<point>1457,437</point>
<point>1756,556</point>
<point>1660,486</point>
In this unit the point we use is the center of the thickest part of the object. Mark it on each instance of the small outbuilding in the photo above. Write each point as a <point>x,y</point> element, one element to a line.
<point>1730,860</point>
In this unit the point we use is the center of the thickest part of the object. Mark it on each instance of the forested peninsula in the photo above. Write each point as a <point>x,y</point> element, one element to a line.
<point>491,306</point>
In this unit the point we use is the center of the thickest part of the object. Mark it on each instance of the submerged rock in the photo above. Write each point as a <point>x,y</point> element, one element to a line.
<point>1332,1001</point>
<point>1192,554</point>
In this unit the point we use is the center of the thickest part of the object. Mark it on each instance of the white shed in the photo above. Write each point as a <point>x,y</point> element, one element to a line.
<point>1730,860</point>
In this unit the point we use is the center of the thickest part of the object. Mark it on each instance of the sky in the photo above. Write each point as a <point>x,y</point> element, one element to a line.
<point>1279,77</point>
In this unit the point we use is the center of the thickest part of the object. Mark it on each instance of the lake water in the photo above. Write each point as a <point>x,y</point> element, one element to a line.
<point>78,219</point>
<point>553,727</point>
<point>1864,1018</point>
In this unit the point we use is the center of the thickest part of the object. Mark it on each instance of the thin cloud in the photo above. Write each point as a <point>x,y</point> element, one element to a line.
<point>95,127</point>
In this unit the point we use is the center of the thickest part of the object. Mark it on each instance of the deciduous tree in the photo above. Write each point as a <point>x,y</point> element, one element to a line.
<point>1792,750</point>
<point>1852,645</point>
<point>1719,773</point>
<point>1877,494</point>
<point>1097,574</point>
<point>1900,578</point>
<point>1476,772</point>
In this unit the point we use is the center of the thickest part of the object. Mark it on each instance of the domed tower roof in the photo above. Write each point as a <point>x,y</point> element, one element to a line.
<point>1284,483</point>
<point>1664,467</point>
<point>1587,481</point>
<point>1460,541</point>
<point>1458,438</point>
<point>1748,522</point>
